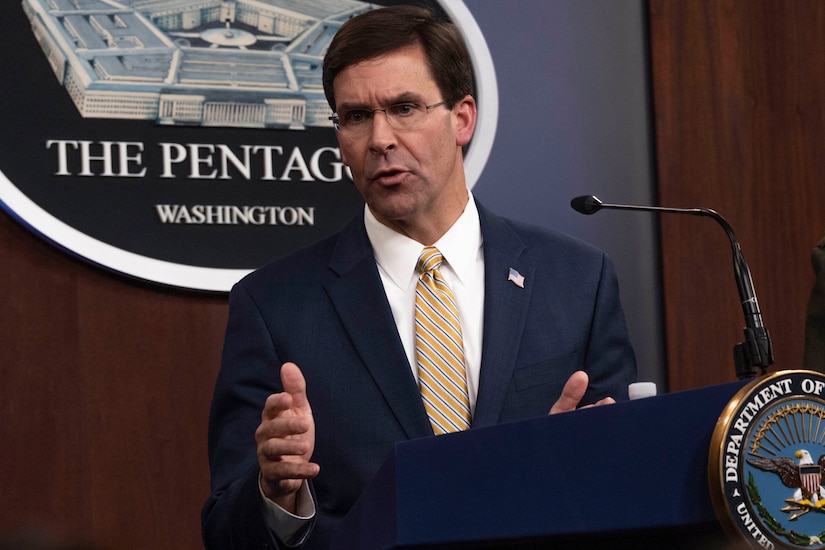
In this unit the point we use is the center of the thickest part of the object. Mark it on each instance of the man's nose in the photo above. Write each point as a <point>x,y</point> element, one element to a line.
<point>382,134</point>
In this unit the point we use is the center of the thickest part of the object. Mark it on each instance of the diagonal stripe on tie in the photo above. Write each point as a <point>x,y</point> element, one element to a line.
<point>439,348</point>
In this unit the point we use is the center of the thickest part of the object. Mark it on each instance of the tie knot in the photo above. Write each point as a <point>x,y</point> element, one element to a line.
<point>429,259</point>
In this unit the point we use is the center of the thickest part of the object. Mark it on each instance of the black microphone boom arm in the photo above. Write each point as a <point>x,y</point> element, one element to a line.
<point>756,352</point>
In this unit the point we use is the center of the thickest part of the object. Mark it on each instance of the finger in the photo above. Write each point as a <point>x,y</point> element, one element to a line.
<point>600,402</point>
<point>572,394</point>
<point>280,408</point>
<point>276,404</point>
<point>293,382</point>
<point>275,471</point>
<point>277,448</point>
<point>281,479</point>
<point>282,427</point>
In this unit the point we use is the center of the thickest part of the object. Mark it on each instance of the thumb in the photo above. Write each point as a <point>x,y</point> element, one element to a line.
<point>292,380</point>
<point>572,394</point>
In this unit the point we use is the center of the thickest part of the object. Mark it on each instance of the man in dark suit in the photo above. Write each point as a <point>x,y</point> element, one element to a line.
<point>543,328</point>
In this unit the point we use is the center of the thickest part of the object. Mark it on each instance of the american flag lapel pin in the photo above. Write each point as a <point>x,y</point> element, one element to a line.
<point>516,277</point>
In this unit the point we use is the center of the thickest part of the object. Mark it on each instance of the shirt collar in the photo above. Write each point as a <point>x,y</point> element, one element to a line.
<point>397,254</point>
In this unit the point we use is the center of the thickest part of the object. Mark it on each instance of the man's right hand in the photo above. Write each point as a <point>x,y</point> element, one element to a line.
<point>286,440</point>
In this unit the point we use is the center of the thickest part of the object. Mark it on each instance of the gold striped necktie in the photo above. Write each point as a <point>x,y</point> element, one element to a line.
<point>439,348</point>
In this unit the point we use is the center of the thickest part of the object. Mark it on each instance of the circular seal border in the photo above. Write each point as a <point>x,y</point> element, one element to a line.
<point>77,243</point>
<point>732,495</point>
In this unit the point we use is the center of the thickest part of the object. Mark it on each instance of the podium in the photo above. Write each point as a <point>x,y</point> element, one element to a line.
<point>630,475</point>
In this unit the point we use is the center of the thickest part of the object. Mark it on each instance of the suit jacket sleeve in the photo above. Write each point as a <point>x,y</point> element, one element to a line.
<point>233,516</point>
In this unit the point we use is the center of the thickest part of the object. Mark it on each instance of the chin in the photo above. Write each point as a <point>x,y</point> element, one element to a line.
<point>393,203</point>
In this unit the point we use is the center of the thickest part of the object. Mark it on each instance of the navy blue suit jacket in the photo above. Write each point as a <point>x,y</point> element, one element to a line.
<point>325,309</point>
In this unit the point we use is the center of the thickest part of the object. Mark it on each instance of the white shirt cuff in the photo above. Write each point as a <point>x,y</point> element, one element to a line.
<point>290,528</point>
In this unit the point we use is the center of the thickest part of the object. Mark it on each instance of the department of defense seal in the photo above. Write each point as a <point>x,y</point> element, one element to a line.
<point>766,462</point>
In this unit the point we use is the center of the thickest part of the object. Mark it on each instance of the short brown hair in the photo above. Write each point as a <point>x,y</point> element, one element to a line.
<point>381,31</point>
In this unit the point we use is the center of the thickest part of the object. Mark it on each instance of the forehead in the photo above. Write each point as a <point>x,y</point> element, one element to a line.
<point>400,73</point>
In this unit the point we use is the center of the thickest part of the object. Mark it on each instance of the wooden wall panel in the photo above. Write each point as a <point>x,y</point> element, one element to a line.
<point>739,103</point>
<point>105,385</point>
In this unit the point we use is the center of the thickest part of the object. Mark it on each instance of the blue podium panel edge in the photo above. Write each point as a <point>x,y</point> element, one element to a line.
<point>628,467</point>
<point>633,467</point>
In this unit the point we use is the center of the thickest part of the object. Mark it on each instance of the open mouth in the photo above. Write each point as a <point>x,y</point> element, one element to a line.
<point>389,177</point>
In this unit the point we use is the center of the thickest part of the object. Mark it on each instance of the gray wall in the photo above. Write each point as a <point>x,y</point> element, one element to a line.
<point>574,119</point>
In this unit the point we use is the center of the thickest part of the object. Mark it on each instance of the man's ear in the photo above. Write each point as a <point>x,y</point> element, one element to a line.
<point>466,113</point>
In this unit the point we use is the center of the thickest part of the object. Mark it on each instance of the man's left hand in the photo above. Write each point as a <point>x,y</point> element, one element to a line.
<point>573,392</point>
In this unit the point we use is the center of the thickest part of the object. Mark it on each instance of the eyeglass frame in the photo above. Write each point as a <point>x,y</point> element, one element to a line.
<point>336,119</point>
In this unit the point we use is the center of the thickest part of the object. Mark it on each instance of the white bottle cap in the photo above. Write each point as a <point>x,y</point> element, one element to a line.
<point>639,390</point>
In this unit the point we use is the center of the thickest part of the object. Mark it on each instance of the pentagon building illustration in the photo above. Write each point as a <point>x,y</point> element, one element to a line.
<point>236,63</point>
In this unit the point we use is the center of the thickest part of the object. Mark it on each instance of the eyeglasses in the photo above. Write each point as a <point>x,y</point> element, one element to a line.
<point>401,116</point>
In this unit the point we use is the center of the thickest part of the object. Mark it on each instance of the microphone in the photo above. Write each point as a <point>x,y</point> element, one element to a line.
<point>756,351</point>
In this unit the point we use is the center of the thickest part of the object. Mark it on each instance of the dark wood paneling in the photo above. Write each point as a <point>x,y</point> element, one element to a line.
<point>739,102</point>
<point>105,385</point>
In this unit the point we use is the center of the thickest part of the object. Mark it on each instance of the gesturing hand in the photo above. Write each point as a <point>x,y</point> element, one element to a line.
<point>286,440</point>
<point>572,394</point>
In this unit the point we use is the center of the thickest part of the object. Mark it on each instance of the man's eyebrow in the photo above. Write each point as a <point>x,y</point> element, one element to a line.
<point>406,97</point>
<point>351,107</point>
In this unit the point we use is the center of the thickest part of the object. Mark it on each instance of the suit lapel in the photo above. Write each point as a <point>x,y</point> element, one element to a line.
<point>505,311</point>
<point>359,299</point>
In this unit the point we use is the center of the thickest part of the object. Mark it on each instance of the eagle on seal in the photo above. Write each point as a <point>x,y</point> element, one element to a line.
<point>804,476</point>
